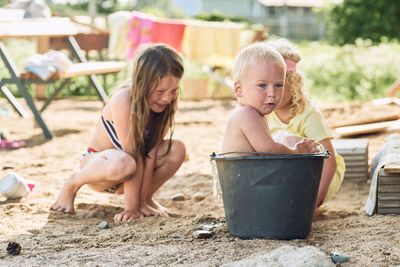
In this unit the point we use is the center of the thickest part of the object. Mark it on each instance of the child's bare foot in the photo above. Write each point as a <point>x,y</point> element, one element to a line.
<point>148,211</point>
<point>127,216</point>
<point>163,211</point>
<point>65,200</point>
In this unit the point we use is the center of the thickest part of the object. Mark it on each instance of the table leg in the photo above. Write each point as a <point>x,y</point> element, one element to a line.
<point>43,45</point>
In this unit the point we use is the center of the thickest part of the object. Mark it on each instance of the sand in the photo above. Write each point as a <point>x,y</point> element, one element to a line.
<point>51,238</point>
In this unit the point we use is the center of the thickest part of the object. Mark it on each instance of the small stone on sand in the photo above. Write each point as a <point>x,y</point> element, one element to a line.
<point>339,258</point>
<point>103,225</point>
<point>198,196</point>
<point>199,234</point>
<point>178,197</point>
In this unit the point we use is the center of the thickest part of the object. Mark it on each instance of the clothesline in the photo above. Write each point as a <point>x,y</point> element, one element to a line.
<point>211,43</point>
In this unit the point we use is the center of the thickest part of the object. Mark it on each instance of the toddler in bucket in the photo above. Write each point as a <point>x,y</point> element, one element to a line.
<point>259,76</point>
<point>296,118</point>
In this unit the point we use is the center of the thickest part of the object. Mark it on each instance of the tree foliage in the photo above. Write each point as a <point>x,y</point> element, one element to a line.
<point>160,8</point>
<point>3,3</point>
<point>365,19</point>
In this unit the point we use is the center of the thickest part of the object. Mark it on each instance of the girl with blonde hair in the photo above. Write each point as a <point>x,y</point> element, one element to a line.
<point>295,117</point>
<point>128,152</point>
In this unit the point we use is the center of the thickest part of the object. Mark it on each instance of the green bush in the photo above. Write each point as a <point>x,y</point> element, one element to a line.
<point>350,72</point>
<point>217,16</point>
<point>366,19</point>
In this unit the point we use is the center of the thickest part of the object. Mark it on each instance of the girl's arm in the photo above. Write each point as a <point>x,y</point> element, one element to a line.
<point>119,110</point>
<point>149,164</point>
<point>132,196</point>
<point>328,170</point>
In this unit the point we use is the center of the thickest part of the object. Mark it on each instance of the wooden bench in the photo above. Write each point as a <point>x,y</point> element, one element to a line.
<point>79,69</point>
<point>46,28</point>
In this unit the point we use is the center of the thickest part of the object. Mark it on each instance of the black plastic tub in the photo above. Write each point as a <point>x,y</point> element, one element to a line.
<point>269,195</point>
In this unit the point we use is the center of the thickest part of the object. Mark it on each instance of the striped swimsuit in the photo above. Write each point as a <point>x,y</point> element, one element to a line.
<point>110,129</point>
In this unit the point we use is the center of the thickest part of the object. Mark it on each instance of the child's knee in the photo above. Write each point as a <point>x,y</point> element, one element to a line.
<point>122,167</point>
<point>178,151</point>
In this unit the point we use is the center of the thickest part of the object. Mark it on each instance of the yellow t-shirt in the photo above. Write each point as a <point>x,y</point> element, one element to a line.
<point>310,124</point>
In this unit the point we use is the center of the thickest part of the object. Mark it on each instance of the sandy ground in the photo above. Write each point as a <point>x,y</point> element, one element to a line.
<point>50,238</point>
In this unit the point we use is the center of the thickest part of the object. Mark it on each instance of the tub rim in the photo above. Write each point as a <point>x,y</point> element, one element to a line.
<point>262,155</point>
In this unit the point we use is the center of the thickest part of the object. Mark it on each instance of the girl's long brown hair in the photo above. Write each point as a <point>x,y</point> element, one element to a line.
<point>151,64</point>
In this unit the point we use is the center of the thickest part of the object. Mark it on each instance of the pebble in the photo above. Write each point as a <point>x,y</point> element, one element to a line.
<point>8,166</point>
<point>210,226</point>
<point>339,258</point>
<point>198,196</point>
<point>200,234</point>
<point>91,264</point>
<point>103,225</point>
<point>178,197</point>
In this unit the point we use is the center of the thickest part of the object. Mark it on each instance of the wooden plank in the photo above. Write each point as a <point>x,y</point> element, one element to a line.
<point>389,188</point>
<point>355,175</point>
<point>356,163</point>
<point>356,180</point>
<point>364,128</point>
<point>350,143</point>
<point>352,176</point>
<point>390,198</point>
<point>389,180</point>
<point>386,101</point>
<point>389,191</point>
<point>352,146</point>
<point>88,68</point>
<point>373,120</point>
<point>360,170</point>
<point>354,157</point>
<point>43,45</point>
<point>389,204</point>
<point>42,27</point>
<point>357,169</point>
<point>393,167</point>
<point>388,211</point>
<point>383,174</point>
<point>81,69</point>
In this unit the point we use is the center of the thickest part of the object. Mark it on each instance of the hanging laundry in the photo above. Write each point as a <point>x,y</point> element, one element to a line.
<point>168,31</point>
<point>118,25</point>
<point>140,27</point>
<point>212,43</point>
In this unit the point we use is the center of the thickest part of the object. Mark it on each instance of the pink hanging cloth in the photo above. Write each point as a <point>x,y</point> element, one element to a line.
<point>168,31</point>
<point>140,28</point>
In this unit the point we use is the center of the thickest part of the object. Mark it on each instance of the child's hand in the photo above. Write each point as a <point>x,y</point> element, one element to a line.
<point>127,216</point>
<point>307,145</point>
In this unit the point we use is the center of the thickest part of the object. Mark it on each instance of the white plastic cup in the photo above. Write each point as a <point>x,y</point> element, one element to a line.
<point>14,186</point>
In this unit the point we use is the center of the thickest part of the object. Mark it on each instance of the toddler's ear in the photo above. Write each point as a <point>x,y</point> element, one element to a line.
<point>237,89</point>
